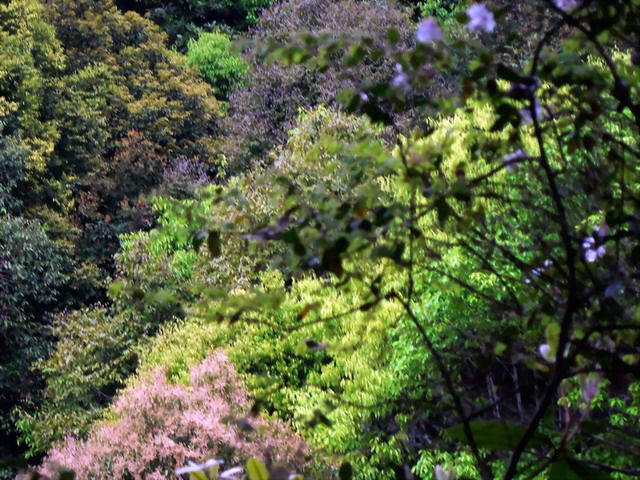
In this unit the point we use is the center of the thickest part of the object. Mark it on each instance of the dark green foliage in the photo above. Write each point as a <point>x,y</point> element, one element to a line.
<point>33,279</point>
<point>96,351</point>
<point>13,160</point>
<point>184,20</point>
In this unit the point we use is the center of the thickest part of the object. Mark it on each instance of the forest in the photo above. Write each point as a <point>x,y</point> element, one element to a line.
<point>319,239</point>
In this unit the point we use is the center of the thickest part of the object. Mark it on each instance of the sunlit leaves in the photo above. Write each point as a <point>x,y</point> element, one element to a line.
<point>256,470</point>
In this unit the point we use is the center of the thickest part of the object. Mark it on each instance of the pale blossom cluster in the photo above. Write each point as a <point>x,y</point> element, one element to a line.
<point>159,426</point>
<point>428,31</point>
<point>547,352</point>
<point>480,18</point>
<point>590,387</point>
<point>525,113</point>
<point>566,5</point>
<point>592,251</point>
<point>401,80</point>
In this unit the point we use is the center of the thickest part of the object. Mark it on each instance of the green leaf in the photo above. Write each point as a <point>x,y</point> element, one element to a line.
<point>345,472</point>
<point>332,262</point>
<point>197,476</point>
<point>490,435</point>
<point>256,470</point>
<point>572,469</point>
<point>115,289</point>
<point>393,36</point>
<point>499,348</point>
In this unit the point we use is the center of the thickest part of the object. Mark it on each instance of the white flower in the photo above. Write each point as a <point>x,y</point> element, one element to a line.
<point>231,473</point>
<point>547,354</point>
<point>525,113</point>
<point>588,243</point>
<point>428,31</point>
<point>364,97</point>
<point>591,252</point>
<point>480,18</point>
<point>401,80</point>
<point>192,467</point>
<point>566,5</point>
<point>512,159</point>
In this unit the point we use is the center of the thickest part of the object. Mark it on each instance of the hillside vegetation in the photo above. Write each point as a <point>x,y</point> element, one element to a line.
<point>313,239</point>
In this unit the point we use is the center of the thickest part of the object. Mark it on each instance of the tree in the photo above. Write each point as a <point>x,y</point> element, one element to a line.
<point>34,274</point>
<point>261,113</point>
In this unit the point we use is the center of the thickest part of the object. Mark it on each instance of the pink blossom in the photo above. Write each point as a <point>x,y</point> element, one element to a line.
<point>158,426</point>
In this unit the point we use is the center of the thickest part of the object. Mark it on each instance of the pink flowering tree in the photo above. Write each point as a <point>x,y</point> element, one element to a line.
<point>156,427</point>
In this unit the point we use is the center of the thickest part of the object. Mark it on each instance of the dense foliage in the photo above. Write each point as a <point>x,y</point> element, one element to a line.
<point>372,240</point>
<point>261,114</point>
<point>220,67</point>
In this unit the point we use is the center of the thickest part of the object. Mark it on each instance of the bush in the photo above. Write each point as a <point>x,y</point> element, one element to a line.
<point>223,69</point>
<point>156,426</point>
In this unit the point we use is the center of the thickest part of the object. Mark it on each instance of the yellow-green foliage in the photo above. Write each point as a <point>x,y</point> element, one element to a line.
<point>221,67</point>
<point>31,56</point>
<point>155,93</point>
<point>371,361</point>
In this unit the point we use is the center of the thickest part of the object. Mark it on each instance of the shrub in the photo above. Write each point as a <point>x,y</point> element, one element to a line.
<point>223,69</point>
<point>156,426</point>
